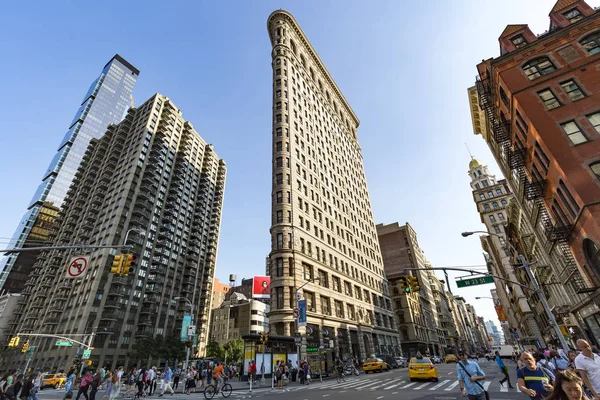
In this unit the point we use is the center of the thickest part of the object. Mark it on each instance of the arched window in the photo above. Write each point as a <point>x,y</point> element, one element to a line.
<point>592,254</point>
<point>591,43</point>
<point>486,207</point>
<point>538,67</point>
<point>503,202</point>
<point>595,167</point>
<point>495,204</point>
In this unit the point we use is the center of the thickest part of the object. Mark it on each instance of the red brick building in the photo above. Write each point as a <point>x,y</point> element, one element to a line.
<point>541,98</point>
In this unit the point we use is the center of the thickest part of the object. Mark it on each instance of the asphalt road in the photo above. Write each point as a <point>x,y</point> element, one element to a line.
<point>378,386</point>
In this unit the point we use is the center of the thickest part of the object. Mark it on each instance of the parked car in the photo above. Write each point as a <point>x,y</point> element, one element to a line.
<point>389,360</point>
<point>402,362</point>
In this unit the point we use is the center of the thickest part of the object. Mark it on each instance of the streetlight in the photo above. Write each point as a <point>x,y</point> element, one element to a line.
<point>536,288</point>
<point>187,352</point>
<point>311,280</point>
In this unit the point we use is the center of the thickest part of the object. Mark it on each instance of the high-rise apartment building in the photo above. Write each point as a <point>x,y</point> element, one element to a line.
<point>540,101</point>
<point>416,311</point>
<point>151,178</point>
<point>322,222</point>
<point>105,102</point>
<point>220,291</point>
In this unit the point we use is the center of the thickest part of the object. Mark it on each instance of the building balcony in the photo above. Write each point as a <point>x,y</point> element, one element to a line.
<point>112,315</point>
<point>145,322</point>
<point>559,232</point>
<point>52,321</point>
<point>157,269</point>
<point>150,309</point>
<point>113,304</point>
<point>117,291</point>
<point>140,212</point>
<point>517,158</point>
<point>144,331</point>
<point>534,189</point>
<point>151,299</point>
<point>139,222</point>
<point>153,278</point>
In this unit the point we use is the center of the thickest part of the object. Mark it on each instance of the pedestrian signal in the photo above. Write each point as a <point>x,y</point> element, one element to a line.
<point>128,263</point>
<point>117,265</point>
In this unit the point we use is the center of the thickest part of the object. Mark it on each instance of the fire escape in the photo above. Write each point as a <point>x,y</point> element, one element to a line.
<point>533,187</point>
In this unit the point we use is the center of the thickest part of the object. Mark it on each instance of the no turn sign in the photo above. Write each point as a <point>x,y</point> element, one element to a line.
<point>296,312</point>
<point>78,266</point>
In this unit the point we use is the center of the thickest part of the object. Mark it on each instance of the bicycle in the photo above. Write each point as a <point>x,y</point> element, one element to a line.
<point>340,375</point>
<point>211,391</point>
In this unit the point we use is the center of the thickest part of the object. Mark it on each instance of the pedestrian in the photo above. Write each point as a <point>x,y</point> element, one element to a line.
<point>504,370</point>
<point>175,378</point>
<point>252,371</point>
<point>108,378</point>
<point>28,388</point>
<point>306,372</point>
<point>571,364</point>
<point>151,380</point>
<point>301,372</point>
<point>469,374</point>
<point>542,360</point>
<point>141,382</point>
<point>568,386</point>
<point>560,362</point>
<point>116,384</point>
<point>167,382</point>
<point>19,381</point>
<point>190,381</point>
<point>95,384</point>
<point>533,379</point>
<point>84,385</point>
<point>71,377</point>
<point>588,366</point>
<point>37,385</point>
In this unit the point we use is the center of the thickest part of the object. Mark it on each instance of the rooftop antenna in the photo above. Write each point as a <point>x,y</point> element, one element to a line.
<point>468,150</point>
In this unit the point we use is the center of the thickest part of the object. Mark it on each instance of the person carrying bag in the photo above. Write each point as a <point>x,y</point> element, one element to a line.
<point>469,374</point>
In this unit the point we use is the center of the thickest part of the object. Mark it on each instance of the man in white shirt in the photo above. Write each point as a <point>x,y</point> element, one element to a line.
<point>588,366</point>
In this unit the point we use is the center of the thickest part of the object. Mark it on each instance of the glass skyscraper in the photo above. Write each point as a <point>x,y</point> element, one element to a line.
<point>105,102</point>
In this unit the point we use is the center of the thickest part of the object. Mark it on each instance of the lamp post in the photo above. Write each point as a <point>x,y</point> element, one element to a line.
<point>187,352</point>
<point>298,345</point>
<point>536,289</point>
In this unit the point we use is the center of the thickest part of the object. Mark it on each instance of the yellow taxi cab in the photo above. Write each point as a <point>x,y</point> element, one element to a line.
<point>451,358</point>
<point>53,380</point>
<point>374,364</point>
<point>422,368</point>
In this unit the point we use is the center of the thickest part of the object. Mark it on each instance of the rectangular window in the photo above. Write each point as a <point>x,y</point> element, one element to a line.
<point>541,157</point>
<point>548,98</point>
<point>595,121</point>
<point>307,271</point>
<point>279,216</point>
<point>325,305</point>
<point>310,301</point>
<point>504,97</point>
<point>573,15</point>
<point>518,41</point>
<point>339,309</point>
<point>279,266</point>
<point>572,89</point>
<point>481,196</point>
<point>280,240</point>
<point>501,216</point>
<point>497,229</point>
<point>565,195</point>
<point>279,294</point>
<point>492,218</point>
<point>499,192</point>
<point>279,179</point>
<point>573,132</point>
<point>279,196</point>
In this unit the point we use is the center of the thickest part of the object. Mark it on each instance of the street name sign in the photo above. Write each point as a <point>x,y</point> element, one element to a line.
<point>482,280</point>
<point>64,343</point>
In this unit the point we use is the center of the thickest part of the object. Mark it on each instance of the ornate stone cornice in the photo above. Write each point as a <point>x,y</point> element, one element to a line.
<point>282,14</point>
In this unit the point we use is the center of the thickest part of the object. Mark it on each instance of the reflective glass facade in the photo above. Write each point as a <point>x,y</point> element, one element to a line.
<point>105,102</point>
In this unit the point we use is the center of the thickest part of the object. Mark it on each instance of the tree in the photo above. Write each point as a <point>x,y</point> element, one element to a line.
<point>144,349</point>
<point>214,349</point>
<point>234,349</point>
<point>172,348</point>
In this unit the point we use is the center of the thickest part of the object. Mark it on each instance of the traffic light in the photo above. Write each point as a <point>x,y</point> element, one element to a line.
<point>261,338</point>
<point>266,337</point>
<point>25,347</point>
<point>14,342</point>
<point>404,286</point>
<point>117,265</point>
<point>128,263</point>
<point>413,283</point>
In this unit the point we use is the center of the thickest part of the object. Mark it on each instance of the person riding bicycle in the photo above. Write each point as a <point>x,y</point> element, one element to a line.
<point>217,374</point>
<point>340,366</point>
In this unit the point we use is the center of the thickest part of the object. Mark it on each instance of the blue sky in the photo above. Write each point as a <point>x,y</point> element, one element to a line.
<point>404,68</point>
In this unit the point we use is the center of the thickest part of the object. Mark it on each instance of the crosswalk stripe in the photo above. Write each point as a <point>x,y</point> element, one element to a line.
<point>504,388</point>
<point>439,385</point>
<point>370,384</point>
<point>394,385</point>
<point>422,386</point>
<point>486,385</point>
<point>452,386</point>
<point>409,385</point>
